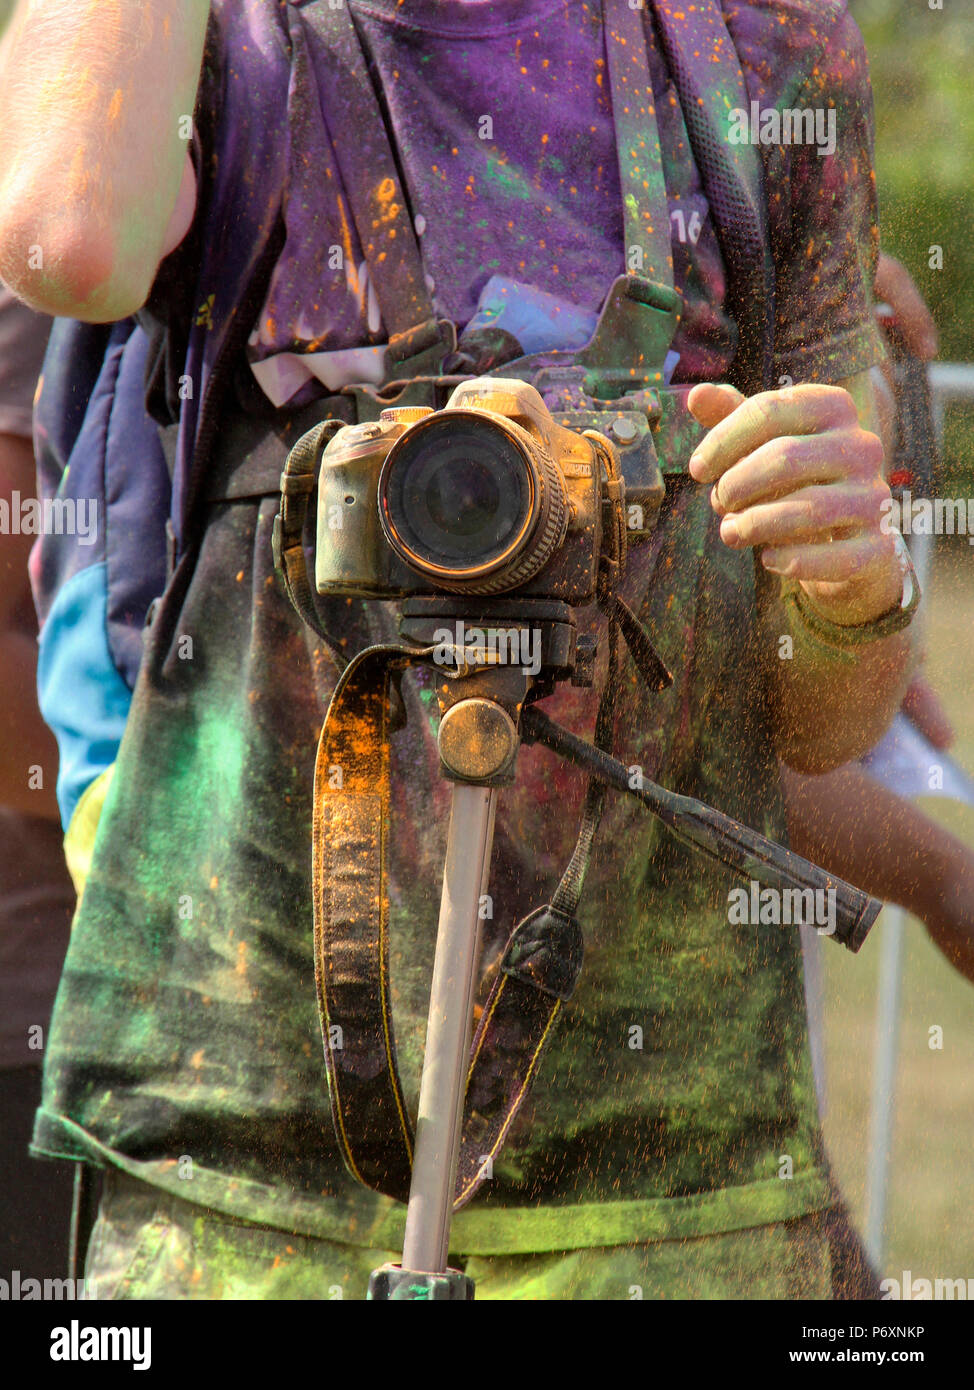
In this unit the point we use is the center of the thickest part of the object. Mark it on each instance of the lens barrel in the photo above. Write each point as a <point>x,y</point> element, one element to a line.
<point>472,502</point>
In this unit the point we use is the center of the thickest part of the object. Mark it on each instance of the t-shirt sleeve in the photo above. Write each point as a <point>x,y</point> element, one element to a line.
<point>23,340</point>
<point>828,243</point>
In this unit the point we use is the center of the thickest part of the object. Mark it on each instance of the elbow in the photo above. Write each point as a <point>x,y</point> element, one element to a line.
<point>62,268</point>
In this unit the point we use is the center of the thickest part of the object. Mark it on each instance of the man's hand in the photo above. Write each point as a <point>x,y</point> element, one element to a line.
<point>796,476</point>
<point>790,468</point>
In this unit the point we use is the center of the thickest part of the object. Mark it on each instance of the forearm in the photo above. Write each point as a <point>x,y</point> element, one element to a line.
<point>856,828</point>
<point>833,703</point>
<point>95,97</point>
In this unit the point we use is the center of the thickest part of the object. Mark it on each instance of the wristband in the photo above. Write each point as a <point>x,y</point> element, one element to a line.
<point>835,635</point>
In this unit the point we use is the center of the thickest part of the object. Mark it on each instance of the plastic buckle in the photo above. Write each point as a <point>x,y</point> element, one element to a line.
<point>637,324</point>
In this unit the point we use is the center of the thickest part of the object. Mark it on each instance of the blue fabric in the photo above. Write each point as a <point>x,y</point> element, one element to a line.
<point>137,498</point>
<point>96,444</point>
<point>539,321</point>
<point>82,695</point>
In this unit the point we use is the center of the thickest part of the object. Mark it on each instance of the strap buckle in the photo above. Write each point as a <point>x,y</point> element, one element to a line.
<point>421,350</point>
<point>636,326</point>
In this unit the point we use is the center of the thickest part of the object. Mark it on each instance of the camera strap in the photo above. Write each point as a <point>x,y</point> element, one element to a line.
<point>538,971</point>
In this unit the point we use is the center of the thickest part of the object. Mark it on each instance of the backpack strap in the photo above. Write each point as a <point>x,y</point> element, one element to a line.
<point>645,210</point>
<point>710,83</point>
<point>417,339</point>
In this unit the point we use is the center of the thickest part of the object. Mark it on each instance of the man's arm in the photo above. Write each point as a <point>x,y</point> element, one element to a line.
<point>827,712</point>
<point>95,186</point>
<point>799,476</point>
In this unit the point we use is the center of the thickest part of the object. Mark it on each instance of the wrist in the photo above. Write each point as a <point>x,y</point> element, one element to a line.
<point>892,609</point>
<point>866,601</point>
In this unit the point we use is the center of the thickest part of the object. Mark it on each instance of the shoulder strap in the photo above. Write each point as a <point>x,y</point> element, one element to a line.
<point>371,179</point>
<point>710,83</point>
<point>645,210</point>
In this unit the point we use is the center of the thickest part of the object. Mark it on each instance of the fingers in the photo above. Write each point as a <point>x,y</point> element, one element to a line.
<point>710,404</point>
<point>760,419</point>
<point>894,284</point>
<point>833,564</point>
<point>785,465</point>
<point>819,515</point>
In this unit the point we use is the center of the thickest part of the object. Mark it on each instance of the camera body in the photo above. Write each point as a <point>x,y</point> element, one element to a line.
<point>487,496</point>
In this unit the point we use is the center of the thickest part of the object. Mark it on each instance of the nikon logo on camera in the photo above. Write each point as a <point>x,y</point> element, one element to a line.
<point>490,646</point>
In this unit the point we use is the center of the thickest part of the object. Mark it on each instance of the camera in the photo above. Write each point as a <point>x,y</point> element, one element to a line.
<point>488,495</point>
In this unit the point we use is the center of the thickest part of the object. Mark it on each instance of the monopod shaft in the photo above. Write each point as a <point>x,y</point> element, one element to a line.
<point>444,1080</point>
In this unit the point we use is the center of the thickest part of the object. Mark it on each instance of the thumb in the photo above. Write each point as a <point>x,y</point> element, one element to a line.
<point>710,404</point>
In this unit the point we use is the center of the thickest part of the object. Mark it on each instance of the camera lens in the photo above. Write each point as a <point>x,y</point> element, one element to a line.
<point>456,494</point>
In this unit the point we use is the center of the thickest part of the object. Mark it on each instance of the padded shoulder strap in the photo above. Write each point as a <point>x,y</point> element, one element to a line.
<point>368,166</point>
<point>708,77</point>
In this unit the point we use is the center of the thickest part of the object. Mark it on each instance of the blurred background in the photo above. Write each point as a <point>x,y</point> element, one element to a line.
<point>920,61</point>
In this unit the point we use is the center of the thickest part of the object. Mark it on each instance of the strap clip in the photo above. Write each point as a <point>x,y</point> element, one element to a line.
<point>421,350</point>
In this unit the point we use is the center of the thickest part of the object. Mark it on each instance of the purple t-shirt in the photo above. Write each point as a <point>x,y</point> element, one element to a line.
<point>525,185</point>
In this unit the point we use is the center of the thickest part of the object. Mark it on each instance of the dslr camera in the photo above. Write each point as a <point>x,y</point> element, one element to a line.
<point>488,495</point>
